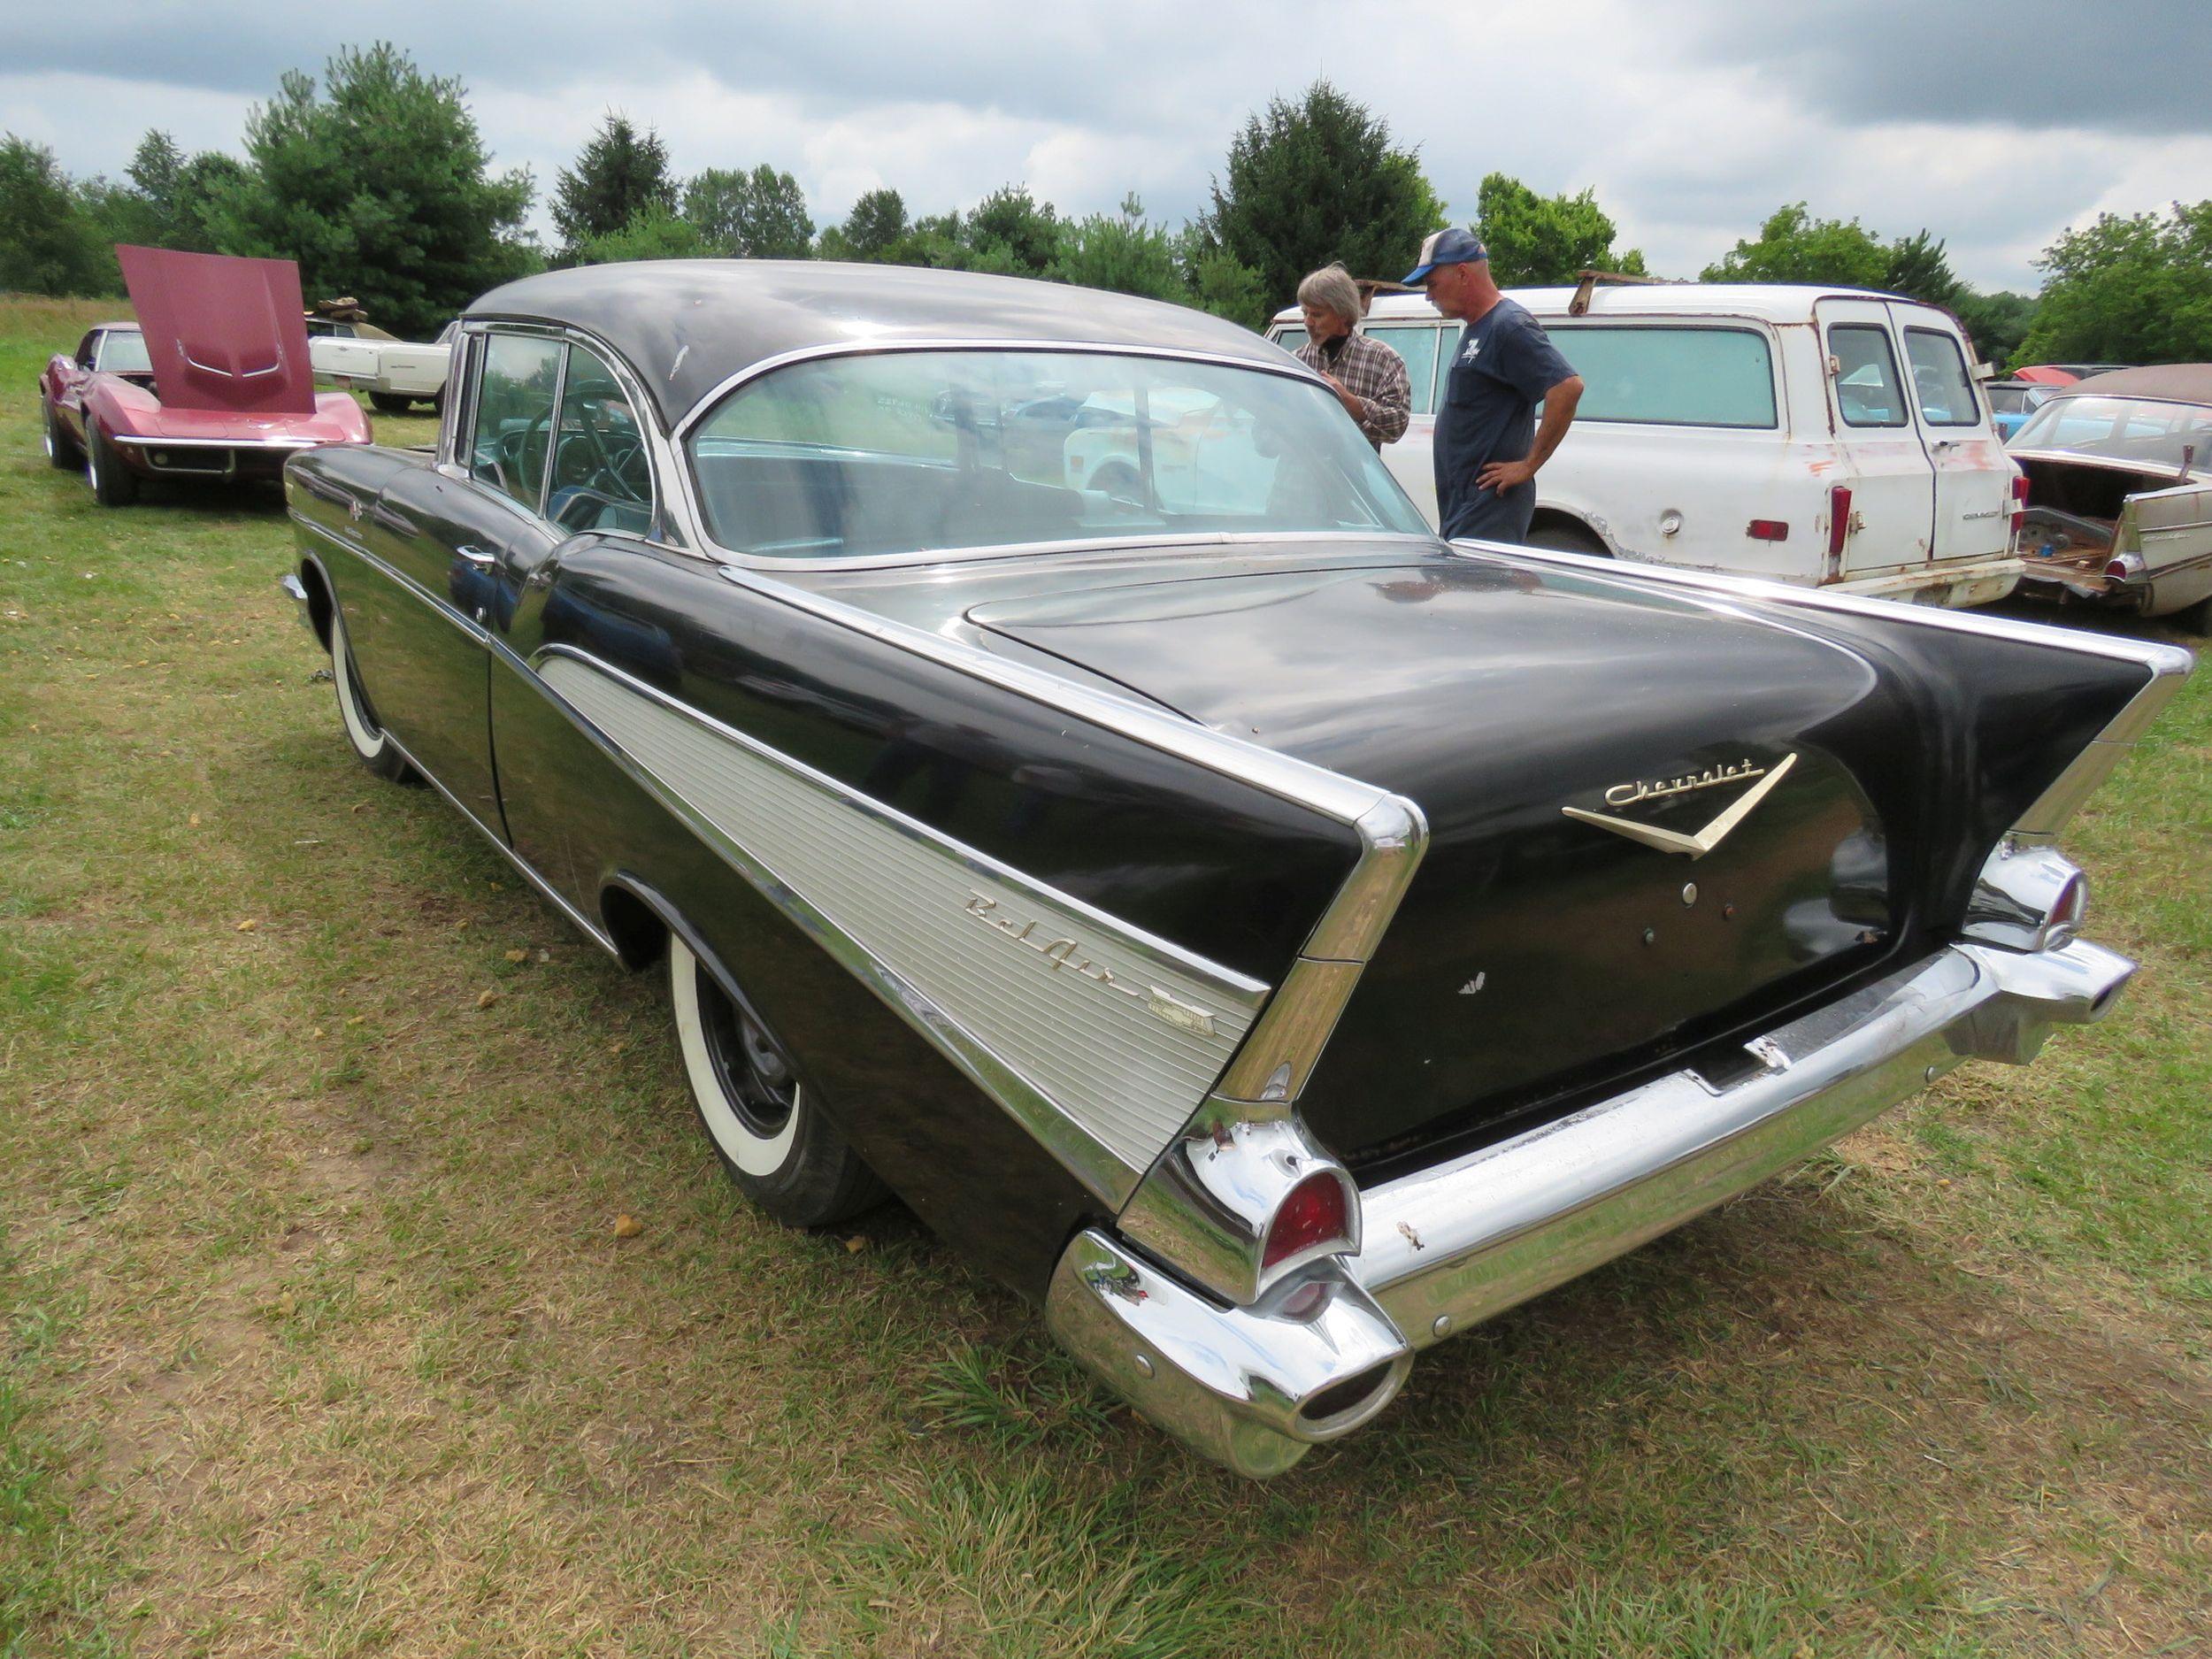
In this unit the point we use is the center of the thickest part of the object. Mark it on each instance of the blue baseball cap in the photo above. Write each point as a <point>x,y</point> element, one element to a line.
<point>1449,246</point>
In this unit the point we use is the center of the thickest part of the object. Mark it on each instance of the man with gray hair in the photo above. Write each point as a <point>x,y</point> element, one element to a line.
<point>1367,377</point>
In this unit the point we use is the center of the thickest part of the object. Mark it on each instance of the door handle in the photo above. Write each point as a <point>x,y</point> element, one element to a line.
<point>477,557</point>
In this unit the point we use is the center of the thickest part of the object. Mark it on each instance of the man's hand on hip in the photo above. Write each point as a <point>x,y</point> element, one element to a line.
<point>1503,475</point>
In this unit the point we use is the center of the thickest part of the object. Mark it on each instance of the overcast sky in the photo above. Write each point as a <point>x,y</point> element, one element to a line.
<point>1994,126</point>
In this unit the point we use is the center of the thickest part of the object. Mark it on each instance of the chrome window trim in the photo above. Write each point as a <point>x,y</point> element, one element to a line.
<point>1078,1145</point>
<point>679,439</point>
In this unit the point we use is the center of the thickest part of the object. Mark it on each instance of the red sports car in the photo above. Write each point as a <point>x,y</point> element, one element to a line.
<point>212,381</point>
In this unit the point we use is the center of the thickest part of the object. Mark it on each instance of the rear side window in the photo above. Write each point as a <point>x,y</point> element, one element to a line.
<point>1291,338</point>
<point>1671,377</point>
<point>514,416</point>
<point>1867,394</point>
<point>601,480</point>
<point>1940,382</point>
<point>1415,342</point>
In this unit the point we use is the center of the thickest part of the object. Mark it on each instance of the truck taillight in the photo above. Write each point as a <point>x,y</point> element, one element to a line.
<point>1314,1214</point>
<point>1839,527</point>
<point>2019,505</point>
<point>1768,530</point>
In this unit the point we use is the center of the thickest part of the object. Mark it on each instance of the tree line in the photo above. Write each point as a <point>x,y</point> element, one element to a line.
<point>376,180</point>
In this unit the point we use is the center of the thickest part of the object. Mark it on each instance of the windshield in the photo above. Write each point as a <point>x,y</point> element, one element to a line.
<point>911,452</point>
<point>124,352</point>
<point>2139,430</point>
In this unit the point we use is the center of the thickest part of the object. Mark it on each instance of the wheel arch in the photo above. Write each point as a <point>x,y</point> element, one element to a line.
<point>1575,524</point>
<point>320,599</point>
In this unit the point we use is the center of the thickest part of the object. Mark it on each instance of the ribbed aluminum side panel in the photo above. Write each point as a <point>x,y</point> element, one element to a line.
<point>1098,1052</point>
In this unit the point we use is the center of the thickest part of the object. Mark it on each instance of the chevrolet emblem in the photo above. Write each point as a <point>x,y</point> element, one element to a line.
<point>1704,840</point>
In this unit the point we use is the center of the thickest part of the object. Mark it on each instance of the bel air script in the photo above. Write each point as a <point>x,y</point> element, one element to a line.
<point>1065,952</point>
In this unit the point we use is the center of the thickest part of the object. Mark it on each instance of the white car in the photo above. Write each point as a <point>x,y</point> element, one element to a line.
<point>1818,436</point>
<point>362,357</point>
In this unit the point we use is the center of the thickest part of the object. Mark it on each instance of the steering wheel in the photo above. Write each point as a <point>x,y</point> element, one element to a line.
<point>619,467</point>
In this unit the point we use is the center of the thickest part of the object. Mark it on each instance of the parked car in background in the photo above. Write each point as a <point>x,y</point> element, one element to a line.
<point>2119,473</point>
<point>2062,373</point>
<point>1714,433</point>
<point>212,382</point>
<point>349,352</point>
<point>1270,937</point>
<point>2012,402</point>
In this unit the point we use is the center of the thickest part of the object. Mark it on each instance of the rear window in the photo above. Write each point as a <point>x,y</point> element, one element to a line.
<point>1867,393</point>
<point>1671,377</point>
<point>1940,381</point>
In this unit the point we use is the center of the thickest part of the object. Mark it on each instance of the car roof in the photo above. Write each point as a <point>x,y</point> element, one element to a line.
<point>1769,302</point>
<point>687,326</point>
<point>2183,382</point>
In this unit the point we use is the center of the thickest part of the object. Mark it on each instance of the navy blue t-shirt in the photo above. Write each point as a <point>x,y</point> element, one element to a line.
<point>1502,367</point>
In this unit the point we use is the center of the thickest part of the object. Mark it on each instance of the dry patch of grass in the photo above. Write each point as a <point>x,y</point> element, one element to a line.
<point>322,1343</point>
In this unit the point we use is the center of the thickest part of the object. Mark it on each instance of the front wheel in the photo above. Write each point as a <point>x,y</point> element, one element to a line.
<point>772,1140</point>
<point>113,484</point>
<point>391,402</point>
<point>62,453</point>
<point>367,738</point>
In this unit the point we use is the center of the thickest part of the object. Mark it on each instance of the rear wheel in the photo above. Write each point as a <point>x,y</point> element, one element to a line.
<point>113,484</point>
<point>772,1140</point>
<point>1567,538</point>
<point>62,453</point>
<point>2195,618</point>
<point>391,402</point>
<point>356,716</point>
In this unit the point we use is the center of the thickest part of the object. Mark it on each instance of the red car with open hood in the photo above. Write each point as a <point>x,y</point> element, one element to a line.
<point>211,382</point>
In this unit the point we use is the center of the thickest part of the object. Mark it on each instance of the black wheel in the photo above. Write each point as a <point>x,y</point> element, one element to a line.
<point>356,715</point>
<point>113,484</point>
<point>390,403</point>
<point>1567,538</point>
<point>62,453</point>
<point>2195,618</point>
<point>781,1152</point>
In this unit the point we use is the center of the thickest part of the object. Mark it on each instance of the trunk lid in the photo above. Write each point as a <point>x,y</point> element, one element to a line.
<point>1550,937</point>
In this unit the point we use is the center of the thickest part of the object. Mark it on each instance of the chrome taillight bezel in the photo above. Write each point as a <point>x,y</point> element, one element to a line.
<point>2027,898</point>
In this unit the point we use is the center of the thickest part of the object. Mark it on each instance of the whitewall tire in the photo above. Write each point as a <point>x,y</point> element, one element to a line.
<point>757,1112</point>
<point>356,715</point>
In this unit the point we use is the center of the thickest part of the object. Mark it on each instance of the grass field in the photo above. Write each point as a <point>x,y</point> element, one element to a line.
<point>320,1340</point>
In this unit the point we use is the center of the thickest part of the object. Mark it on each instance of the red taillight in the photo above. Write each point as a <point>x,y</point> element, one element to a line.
<point>2019,505</point>
<point>1839,526</point>
<point>1768,530</point>
<point>2067,911</point>
<point>1312,1214</point>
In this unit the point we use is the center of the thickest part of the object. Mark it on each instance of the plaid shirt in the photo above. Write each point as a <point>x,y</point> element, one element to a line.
<point>1375,374</point>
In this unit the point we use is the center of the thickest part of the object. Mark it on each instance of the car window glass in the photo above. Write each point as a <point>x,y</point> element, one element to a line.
<point>85,348</point>
<point>1415,342</point>
<point>1292,338</point>
<point>123,351</point>
<point>2145,431</point>
<point>514,414</point>
<point>1675,377</point>
<point>602,477</point>
<point>911,452</point>
<point>1867,394</point>
<point>1939,381</point>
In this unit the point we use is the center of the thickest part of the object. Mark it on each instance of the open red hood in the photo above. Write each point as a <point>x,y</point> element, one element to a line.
<point>224,333</point>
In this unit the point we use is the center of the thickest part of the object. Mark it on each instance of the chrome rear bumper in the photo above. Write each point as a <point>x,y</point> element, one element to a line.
<point>1255,1388</point>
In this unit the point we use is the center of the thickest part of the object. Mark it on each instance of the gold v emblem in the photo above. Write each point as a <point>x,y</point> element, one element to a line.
<point>1711,836</point>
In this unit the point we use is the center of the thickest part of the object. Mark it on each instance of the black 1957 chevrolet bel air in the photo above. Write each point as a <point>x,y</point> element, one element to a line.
<point>1070,787</point>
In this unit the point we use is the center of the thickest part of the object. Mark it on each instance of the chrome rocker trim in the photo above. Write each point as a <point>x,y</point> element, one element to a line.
<point>1256,1387</point>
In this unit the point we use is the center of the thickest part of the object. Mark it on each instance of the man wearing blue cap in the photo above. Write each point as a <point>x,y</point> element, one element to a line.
<point>1504,366</point>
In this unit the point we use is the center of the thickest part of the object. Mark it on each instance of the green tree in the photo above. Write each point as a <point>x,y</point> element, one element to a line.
<point>1009,231</point>
<point>1996,323</point>
<point>1919,267</point>
<point>1314,181</point>
<point>1793,246</point>
<point>757,215</point>
<point>655,234</point>
<point>874,228</point>
<point>2136,289</point>
<point>1121,252</point>
<point>1543,239</point>
<point>47,243</point>
<point>377,187</point>
<point>619,172</point>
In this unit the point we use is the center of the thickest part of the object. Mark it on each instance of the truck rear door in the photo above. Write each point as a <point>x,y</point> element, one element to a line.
<point>1891,478</point>
<point>1973,478</point>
